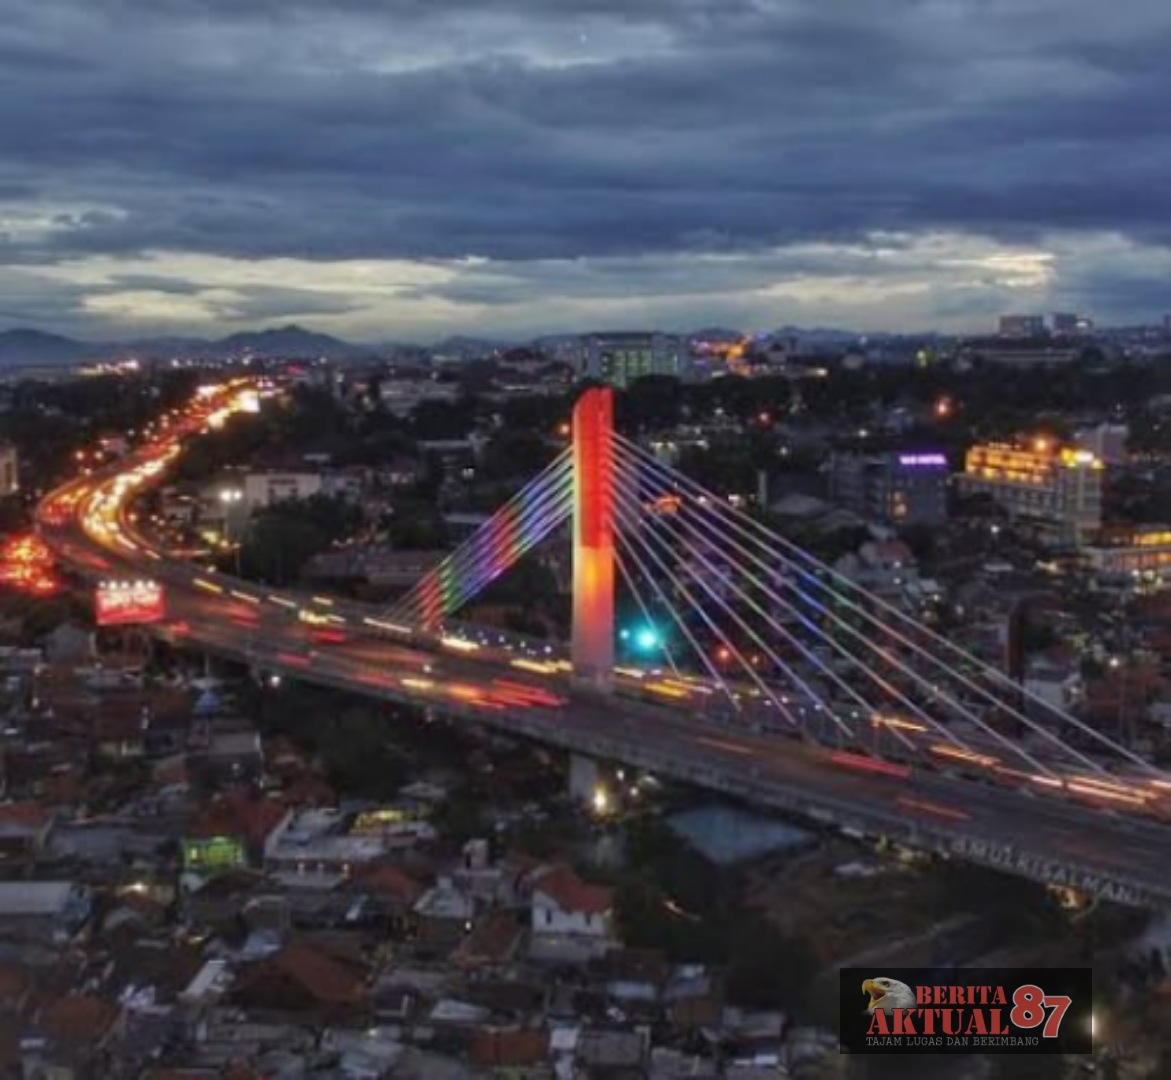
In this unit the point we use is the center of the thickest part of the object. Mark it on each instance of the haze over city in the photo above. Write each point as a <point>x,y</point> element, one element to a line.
<point>407,171</point>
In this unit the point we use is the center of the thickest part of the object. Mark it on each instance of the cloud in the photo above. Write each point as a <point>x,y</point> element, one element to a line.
<point>644,155</point>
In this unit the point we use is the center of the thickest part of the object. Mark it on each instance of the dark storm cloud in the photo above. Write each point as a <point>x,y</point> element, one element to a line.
<point>534,130</point>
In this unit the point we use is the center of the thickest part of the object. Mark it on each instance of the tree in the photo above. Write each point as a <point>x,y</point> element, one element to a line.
<point>282,538</point>
<point>417,526</point>
<point>513,454</point>
<point>459,818</point>
<point>768,969</point>
<point>357,756</point>
<point>277,547</point>
<point>652,402</point>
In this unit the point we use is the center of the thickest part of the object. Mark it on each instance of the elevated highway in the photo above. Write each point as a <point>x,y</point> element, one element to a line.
<point>1029,832</point>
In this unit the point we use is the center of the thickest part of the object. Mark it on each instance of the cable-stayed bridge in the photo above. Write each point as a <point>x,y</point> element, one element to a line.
<point>774,677</point>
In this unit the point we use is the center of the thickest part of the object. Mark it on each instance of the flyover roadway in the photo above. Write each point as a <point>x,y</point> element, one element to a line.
<point>1020,830</point>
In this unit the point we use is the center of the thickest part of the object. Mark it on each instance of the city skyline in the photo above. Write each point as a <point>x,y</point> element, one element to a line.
<point>507,170</point>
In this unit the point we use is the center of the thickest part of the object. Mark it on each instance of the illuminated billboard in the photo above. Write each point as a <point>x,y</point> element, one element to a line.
<point>128,603</point>
<point>213,853</point>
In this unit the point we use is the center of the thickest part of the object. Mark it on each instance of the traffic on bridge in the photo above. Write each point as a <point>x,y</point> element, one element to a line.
<point>842,709</point>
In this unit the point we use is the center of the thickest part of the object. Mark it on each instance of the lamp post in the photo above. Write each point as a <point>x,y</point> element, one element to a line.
<point>230,497</point>
<point>1117,665</point>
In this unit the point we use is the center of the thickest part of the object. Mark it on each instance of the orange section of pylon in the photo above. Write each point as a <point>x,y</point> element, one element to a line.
<point>592,647</point>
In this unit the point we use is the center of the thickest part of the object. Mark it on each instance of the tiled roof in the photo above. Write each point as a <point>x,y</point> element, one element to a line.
<point>388,881</point>
<point>13,985</point>
<point>493,938</point>
<point>329,981</point>
<point>78,1018</point>
<point>510,1048</point>
<point>561,885</point>
<point>240,813</point>
<point>25,815</point>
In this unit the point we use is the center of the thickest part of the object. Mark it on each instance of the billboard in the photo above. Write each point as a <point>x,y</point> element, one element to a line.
<point>129,603</point>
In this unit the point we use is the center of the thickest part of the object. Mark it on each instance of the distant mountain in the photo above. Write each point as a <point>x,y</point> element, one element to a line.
<point>818,335</point>
<point>468,345</point>
<point>286,341</point>
<point>31,348</point>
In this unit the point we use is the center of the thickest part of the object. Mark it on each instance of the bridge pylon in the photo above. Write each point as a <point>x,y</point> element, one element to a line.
<point>592,645</point>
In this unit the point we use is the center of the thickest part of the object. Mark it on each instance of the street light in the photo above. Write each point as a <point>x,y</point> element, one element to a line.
<point>230,497</point>
<point>1116,664</point>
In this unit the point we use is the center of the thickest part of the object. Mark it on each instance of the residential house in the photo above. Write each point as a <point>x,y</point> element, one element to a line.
<point>1055,678</point>
<point>384,893</point>
<point>301,977</point>
<point>493,942</point>
<point>564,904</point>
<point>444,915</point>
<point>43,911</point>
<point>570,919</point>
<point>510,1048</point>
<point>24,831</point>
<point>243,815</point>
<point>68,1038</point>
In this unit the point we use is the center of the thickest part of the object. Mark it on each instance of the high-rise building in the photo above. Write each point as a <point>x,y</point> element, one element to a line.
<point>620,358</point>
<point>1105,441</point>
<point>9,470</point>
<point>897,488</point>
<point>1064,322</point>
<point>1022,326</point>
<point>1053,490</point>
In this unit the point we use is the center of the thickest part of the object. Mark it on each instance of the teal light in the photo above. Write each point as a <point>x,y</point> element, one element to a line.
<point>647,639</point>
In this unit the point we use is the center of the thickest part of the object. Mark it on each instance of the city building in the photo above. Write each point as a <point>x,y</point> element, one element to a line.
<point>898,488</point>
<point>620,358</point>
<point>1136,556</point>
<point>9,470</point>
<point>1021,326</point>
<point>1064,322</point>
<point>1052,490</point>
<point>263,488</point>
<point>1105,441</point>
<point>402,396</point>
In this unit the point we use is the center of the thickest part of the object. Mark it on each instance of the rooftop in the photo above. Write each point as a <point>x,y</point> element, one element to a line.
<point>561,885</point>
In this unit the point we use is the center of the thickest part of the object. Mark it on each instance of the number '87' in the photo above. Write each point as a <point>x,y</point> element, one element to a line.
<point>1028,1009</point>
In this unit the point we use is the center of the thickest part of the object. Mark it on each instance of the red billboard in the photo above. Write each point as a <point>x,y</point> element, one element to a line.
<point>128,603</point>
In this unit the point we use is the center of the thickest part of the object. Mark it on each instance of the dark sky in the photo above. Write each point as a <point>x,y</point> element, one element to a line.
<point>408,168</point>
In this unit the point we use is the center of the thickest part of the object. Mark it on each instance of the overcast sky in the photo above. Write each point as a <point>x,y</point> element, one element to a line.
<point>406,169</point>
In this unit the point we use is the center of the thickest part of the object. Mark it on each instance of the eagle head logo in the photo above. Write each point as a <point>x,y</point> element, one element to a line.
<point>887,994</point>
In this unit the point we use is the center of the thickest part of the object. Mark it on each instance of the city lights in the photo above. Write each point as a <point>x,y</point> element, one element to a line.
<point>26,566</point>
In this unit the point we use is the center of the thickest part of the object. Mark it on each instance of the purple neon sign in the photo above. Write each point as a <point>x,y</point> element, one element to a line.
<point>923,460</point>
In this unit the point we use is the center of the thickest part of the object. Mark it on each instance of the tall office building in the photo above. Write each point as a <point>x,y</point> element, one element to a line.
<point>1053,490</point>
<point>9,471</point>
<point>897,489</point>
<point>620,358</point>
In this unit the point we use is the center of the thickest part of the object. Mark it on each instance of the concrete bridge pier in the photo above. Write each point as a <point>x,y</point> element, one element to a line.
<point>585,780</point>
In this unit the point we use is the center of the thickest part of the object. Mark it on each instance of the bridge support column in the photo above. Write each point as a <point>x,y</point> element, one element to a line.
<point>584,779</point>
<point>592,647</point>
